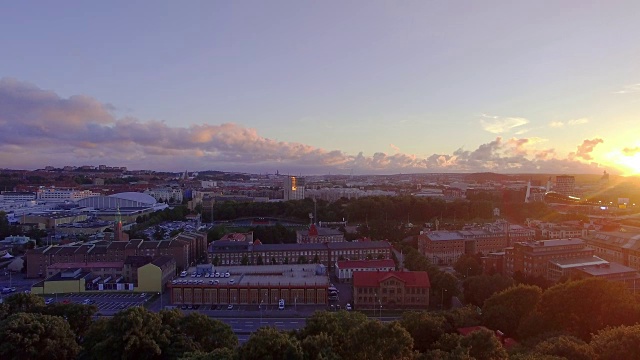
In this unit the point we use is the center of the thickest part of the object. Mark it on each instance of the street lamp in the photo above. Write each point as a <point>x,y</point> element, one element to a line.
<point>442,301</point>
<point>380,302</point>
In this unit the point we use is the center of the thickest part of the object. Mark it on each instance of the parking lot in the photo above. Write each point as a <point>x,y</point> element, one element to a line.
<point>105,302</point>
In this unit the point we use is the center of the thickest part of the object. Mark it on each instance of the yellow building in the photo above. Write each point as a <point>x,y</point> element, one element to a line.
<point>153,276</point>
<point>67,281</point>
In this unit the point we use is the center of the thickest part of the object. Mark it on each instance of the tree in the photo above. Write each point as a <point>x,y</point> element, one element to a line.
<point>36,336</point>
<point>505,310</point>
<point>316,259</point>
<point>468,265</point>
<point>78,316</point>
<point>245,260</point>
<point>21,302</point>
<point>622,342</point>
<point>583,307</point>
<point>374,340</point>
<point>132,333</point>
<point>209,334</point>
<point>259,261</point>
<point>269,343</point>
<point>337,325</point>
<point>302,259</point>
<point>565,346</point>
<point>479,288</point>
<point>217,354</point>
<point>484,345</point>
<point>425,328</point>
<point>319,347</point>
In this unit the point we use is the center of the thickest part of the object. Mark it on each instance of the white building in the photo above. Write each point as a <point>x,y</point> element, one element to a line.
<point>173,195</point>
<point>344,268</point>
<point>17,196</point>
<point>61,195</point>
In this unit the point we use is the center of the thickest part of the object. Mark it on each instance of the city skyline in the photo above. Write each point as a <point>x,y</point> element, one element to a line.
<point>316,88</point>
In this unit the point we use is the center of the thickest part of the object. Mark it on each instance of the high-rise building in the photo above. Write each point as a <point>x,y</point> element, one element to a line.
<point>565,185</point>
<point>293,188</point>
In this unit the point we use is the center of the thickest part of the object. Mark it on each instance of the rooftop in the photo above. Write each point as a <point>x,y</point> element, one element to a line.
<point>374,278</point>
<point>355,264</point>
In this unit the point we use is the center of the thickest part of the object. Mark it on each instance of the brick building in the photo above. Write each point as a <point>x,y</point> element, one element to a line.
<point>532,258</point>
<point>391,289</point>
<point>344,269</point>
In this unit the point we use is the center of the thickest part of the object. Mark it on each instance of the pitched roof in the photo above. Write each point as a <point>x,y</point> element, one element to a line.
<point>374,278</point>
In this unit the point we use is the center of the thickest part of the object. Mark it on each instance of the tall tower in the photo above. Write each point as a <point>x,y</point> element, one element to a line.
<point>118,233</point>
<point>293,188</point>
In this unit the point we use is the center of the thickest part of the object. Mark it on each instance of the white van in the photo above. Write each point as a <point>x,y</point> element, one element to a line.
<point>281,304</point>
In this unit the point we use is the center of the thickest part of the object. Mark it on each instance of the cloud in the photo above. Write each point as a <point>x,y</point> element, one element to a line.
<point>629,89</point>
<point>573,122</point>
<point>39,128</point>
<point>578,121</point>
<point>497,124</point>
<point>585,149</point>
<point>631,151</point>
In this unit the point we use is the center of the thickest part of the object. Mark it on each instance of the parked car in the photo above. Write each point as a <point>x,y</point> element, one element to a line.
<point>230,307</point>
<point>281,304</point>
<point>49,301</point>
<point>348,307</point>
<point>87,302</point>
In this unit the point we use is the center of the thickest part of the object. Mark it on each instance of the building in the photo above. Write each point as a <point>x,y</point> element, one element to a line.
<point>52,220</point>
<point>344,269</point>
<point>565,185</point>
<point>253,285</point>
<point>560,269</point>
<point>17,196</point>
<point>153,277</point>
<point>186,249</point>
<point>621,247</point>
<point>533,258</point>
<point>293,188</point>
<point>247,253</point>
<point>170,194</point>
<point>61,195</point>
<point>611,272</point>
<point>315,235</point>
<point>392,289</point>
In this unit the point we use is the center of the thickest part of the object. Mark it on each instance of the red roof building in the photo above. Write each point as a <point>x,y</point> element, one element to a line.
<point>344,269</point>
<point>391,289</point>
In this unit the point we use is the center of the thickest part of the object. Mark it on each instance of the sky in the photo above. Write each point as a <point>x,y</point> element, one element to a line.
<point>317,87</point>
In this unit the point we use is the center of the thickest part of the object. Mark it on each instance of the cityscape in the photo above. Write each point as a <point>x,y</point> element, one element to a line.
<point>320,180</point>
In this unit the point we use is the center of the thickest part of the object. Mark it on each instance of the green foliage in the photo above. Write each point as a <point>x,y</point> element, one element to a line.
<point>483,345</point>
<point>425,328</point>
<point>479,288</point>
<point>374,340</point>
<point>35,336</point>
<point>78,316</point>
<point>21,302</point>
<point>337,325</point>
<point>270,344</point>
<point>581,308</point>
<point>506,309</point>
<point>622,342</point>
<point>209,334</point>
<point>468,265</point>
<point>565,346</point>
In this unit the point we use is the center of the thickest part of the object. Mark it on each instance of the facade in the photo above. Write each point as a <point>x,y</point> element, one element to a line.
<point>611,272</point>
<point>153,277</point>
<point>68,281</point>
<point>61,195</point>
<point>53,220</point>
<point>560,269</point>
<point>17,196</point>
<point>172,195</point>
<point>247,253</point>
<point>532,258</point>
<point>393,289</point>
<point>317,235</point>
<point>344,269</point>
<point>254,285</point>
<point>565,185</point>
<point>186,249</point>
<point>621,247</point>
<point>293,188</point>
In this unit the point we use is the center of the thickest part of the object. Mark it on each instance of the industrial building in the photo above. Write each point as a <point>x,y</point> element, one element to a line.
<point>245,285</point>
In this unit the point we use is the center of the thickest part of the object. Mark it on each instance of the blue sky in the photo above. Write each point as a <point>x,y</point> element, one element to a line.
<point>313,87</point>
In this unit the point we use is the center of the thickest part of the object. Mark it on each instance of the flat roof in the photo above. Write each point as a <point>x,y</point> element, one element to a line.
<point>263,275</point>
<point>613,268</point>
<point>581,261</point>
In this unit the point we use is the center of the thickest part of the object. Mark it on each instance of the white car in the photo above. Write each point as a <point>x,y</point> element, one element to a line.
<point>230,307</point>
<point>348,307</point>
<point>49,301</point>
<point>281,304</point>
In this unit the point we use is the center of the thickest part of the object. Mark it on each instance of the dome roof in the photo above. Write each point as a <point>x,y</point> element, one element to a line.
<point>135,196</point>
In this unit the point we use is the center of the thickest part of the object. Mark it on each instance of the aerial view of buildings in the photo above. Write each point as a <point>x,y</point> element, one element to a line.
<point>320,180</point>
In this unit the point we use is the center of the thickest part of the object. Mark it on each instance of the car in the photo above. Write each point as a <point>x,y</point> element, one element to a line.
<point>88,302</point>
<point>183,307</point>
<point>230,307</point>
<point>206,275</point>
<point>143,295</point>
<point>196,307</point>
<point>6,290</point>
<point>49,301</point>
<point>281,304</point>
<point>231,282</point>
<point>183,274</point>
<point>216,282</point>
<point>189,306</point>
<point>338,306</point>
<point>66,301</point>
<point>348,307</point>
<point>27,291</point>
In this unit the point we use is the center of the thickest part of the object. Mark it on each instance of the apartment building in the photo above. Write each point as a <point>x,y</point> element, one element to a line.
<point>392,289</point>
<point>532,258</point>
<point>247,253</point>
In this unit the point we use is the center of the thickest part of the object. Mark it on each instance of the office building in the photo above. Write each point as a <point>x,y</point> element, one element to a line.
<point>293,188</point>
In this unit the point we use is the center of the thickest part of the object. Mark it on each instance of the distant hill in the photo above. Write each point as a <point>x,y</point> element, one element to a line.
<point>487,176</point>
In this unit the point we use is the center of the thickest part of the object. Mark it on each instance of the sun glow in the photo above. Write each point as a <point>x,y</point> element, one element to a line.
<point>630,165</point>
